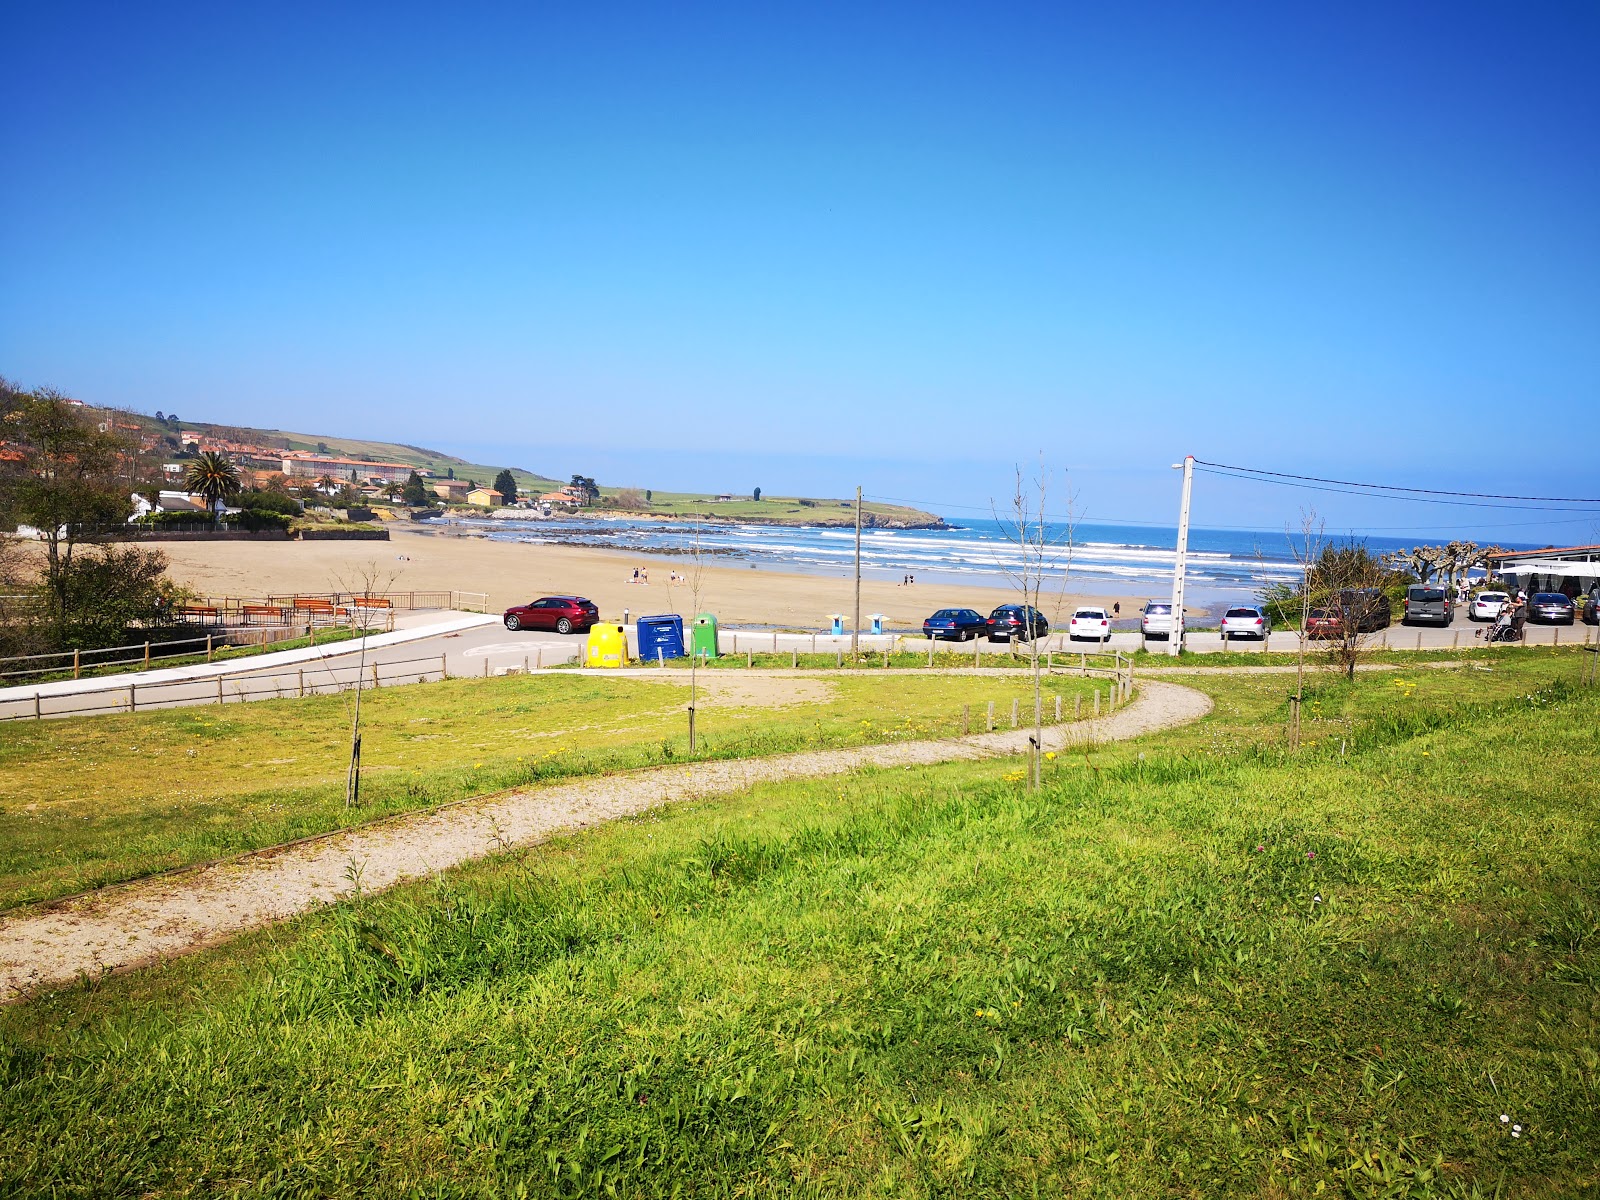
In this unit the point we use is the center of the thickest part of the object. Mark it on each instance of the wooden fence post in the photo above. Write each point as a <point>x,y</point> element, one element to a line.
<point>147,656</point>
<point>208,647</point>
<point>991,716</point>
<point>1077,708</point>
<point>133,697</point>
<point>219,689</point>
<point>794,658</point>
<point>1016,712</point>
<point>1097,702</point>
<point>375,670</point>
<point>301,673</point>
<point>1058,710</point>
<point>966,719</point>
<point>37,715</point>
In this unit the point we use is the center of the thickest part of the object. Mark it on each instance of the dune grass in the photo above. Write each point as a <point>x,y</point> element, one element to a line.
<point>92,801</point>
<point>1198,965</point>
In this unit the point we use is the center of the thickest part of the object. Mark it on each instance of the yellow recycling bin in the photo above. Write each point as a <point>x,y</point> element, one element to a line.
<point>607,647</point>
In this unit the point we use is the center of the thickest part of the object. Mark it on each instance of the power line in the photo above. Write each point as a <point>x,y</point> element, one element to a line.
<point>1413,495</point>
<point>1390,487</point>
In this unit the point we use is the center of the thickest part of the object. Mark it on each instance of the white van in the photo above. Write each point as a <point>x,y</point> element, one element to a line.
<point>1157,620</point>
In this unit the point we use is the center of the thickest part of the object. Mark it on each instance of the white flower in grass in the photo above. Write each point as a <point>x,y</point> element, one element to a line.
<point>1504,1119</point>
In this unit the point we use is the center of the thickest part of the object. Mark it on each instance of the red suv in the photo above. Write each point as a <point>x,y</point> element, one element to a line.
<point>564,614</point>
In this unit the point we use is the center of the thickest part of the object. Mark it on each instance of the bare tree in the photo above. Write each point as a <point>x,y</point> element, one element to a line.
<point>1345,601</point>
<point>1042,552</point>
<point>371,580</point>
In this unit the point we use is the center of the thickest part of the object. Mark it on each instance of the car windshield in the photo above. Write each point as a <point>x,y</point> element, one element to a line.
<point>1549,598</point>
<point>1243,612</point>
<point>1427,593</point>
<point>1491,597</point>
<point>1092,614</point>
<point>1158,608</point>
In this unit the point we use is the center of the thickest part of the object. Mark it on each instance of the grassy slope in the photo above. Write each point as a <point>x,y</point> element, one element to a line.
<point>1195,966</point>
<point>93,801</point>
<point>772,508</point>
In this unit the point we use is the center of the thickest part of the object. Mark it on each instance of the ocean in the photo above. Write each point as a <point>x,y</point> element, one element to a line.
<point>1225,566</point>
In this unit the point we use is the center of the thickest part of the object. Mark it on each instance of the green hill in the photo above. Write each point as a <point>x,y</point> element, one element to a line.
<point>769,509</point>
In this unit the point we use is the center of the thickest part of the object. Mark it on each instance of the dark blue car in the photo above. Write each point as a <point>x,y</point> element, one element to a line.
<point>954,624</point>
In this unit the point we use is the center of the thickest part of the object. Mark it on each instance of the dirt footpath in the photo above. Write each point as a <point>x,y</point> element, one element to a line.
<point>138,923</point>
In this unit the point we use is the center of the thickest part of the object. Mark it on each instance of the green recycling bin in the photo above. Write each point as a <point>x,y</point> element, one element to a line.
<point>703,636</point>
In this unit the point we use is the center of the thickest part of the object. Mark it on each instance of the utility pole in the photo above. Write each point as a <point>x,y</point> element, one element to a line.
<point>855,628</point>
<point>1175,636</point>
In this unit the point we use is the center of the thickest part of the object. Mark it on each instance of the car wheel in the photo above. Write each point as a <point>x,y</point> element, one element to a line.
<point>512,623</point>
<point>563,626</point>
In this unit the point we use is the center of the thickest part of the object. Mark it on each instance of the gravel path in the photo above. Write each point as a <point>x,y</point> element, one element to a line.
<point>138,923</point>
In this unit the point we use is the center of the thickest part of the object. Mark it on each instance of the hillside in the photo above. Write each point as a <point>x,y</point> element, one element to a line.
<point>787,510</point>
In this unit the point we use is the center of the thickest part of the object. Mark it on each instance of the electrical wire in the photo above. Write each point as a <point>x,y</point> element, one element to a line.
<point>1297,482</point>
<point>1390,487</point>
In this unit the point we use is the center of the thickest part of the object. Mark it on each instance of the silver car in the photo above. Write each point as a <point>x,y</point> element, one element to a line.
<point>1245,621</point>
<point>1157,620</point>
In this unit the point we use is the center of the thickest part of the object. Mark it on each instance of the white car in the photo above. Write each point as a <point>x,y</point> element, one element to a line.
<point>1157,620</point>
<point>1089,625</point>
<point>1486,605</point>
<point>1245,621</point>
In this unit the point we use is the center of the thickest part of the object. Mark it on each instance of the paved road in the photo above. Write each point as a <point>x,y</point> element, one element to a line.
<point>475,645</point>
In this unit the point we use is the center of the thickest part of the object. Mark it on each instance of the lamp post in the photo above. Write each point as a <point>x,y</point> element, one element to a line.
<point>1175,635</point>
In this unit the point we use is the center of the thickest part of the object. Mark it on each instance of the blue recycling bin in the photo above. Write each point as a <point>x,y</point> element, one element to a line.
<point>660,637</point>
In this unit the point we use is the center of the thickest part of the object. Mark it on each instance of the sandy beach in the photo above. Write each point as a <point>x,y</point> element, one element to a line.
<point>515,572</point>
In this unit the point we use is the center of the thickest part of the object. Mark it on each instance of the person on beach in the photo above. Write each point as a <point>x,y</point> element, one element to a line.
<point>635,578</point>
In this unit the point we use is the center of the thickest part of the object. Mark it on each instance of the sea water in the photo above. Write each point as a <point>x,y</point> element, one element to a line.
<point>1224,566</point>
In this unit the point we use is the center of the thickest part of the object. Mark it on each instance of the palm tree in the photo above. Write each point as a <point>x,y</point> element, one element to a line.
<point>213,476</point>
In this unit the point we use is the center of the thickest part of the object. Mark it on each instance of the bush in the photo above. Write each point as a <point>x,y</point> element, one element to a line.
<point>253,520</point>
<point>270,502</point>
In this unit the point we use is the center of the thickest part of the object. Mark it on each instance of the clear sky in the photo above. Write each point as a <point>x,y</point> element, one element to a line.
<point>694,247</point>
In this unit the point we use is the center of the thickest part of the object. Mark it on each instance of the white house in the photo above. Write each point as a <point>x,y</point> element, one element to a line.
<point>169,502</point>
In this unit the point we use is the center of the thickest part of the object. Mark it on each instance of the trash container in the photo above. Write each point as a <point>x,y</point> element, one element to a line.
<point>607,647</point>
<point>660,637</point>
<point>877,622</point>
<point>703,636</point>
<point>838,624</point>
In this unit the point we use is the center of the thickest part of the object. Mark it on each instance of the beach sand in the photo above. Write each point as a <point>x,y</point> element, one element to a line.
<point>513,573</point>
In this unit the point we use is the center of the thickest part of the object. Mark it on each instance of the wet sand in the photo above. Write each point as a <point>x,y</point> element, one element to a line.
<point>513,573</point>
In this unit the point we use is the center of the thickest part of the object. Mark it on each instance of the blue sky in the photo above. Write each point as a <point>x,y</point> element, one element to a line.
<point>803,248</point>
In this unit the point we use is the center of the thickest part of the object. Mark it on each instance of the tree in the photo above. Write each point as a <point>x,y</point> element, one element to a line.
<point>415,492</point>
<point>1041,552</point>
<point>506,484</point>
<point>159,416</point>
<point>649,496</point>
<point>64,476</point>
<point>449,472</point>
<point>587,489</point>
<point>756,495</point>
<point>1343,589</point>
<point>213,476</point>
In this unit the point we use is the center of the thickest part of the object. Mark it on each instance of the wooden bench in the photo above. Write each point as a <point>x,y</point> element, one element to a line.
<point>270,614</point>
<point>307,604</point>
<point>198,612</point>
<point>371,602</point>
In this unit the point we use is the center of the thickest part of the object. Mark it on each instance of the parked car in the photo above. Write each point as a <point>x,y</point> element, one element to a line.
<point>1551,608</point>
<point>1245,620</point>
<point>1089,625</point>
<point>955,624</point>
<point>1591,611</point>
<point>1157,619</point>
<point>1486,606</point>
<point>1367,609</point>
<point>1017,621</point>
<point>1425,603</point>
<point>564,614</point>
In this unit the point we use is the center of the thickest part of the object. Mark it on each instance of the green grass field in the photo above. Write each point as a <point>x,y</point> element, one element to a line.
<point>94,801</point>
<point>1195,965</point>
